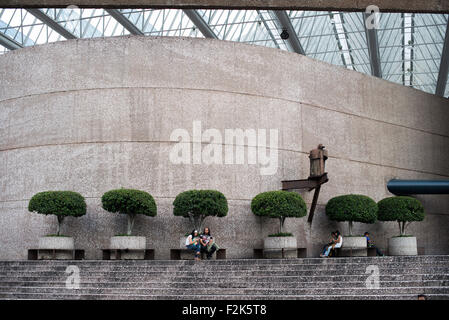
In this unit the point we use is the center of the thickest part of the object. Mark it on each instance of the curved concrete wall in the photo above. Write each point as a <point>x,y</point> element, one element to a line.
<point>92,115</point>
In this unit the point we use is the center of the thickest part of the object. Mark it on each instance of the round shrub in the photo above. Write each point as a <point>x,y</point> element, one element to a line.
<point>59,203</point>
<point>402,209</point>
<point>130,202</point>
<point>199,204</point>
<point>352,208</point>
<point>279,204</point>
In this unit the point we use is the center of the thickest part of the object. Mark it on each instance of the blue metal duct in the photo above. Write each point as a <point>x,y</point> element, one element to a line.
<point>408,187</point>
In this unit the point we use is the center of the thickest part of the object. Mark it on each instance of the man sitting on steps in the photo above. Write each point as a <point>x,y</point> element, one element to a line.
<point>370,244</point>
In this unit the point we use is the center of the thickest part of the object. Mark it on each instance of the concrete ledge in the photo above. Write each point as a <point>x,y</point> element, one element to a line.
<point>55,254</point>
<point>59,248</point>
<point>128,254</point>
<point>354,247</point>
<point>430,6</point>
<point>127,247</point>
<point>185,254</point>
<point>280,253</point>
<point>57,243</point>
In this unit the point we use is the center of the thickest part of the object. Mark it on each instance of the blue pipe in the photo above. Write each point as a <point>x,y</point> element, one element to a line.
<point>408,187</point>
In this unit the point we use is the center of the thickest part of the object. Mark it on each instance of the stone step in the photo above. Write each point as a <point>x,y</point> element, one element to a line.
<point>16,296</point>
<point>205,275</point>
<point>214,267</point>
<point>238,279</point>
<point>338,260</point>
<point>310,278</point>
<point>233,272</point>
<point>226,284</point>
<point>231,291</point>
<point>57,296</point>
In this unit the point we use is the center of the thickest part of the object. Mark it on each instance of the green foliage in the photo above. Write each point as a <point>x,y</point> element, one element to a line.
<point>353,208</point>
<point>129,201</point>
<point>200,203</point>
<point>279,204</point>
<point>59,203</point>
<point>401,209</point>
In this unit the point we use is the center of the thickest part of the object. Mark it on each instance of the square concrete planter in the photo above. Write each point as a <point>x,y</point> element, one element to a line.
<point>280,248</point>
<point>182,242</point>
<point>59,248</point>
<point>402,246</point>
<point>131,247</point>
<point>354,247</point>
<point>185,254</point>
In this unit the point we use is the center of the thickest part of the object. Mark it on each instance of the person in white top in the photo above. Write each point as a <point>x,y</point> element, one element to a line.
<point>193,243</point>
<point>337,244</point>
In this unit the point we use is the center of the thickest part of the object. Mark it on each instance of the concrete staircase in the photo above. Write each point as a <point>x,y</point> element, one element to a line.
<point>311,278</point>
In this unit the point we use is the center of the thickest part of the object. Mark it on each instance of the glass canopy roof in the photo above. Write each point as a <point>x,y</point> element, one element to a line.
<point>409,47</point>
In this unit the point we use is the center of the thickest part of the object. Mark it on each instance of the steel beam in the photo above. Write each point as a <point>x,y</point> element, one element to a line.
<point>444,66</point>
<point>285,24</point>
<point>51,23</point>
<point>9,43</point>
<point>124,21</point>
<point>199,22</point>
<point>373,48</point>
<point>268,29</point>
<point>409,187</point>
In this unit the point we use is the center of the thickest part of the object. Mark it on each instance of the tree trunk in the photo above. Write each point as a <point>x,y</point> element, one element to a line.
<point>197,221</point>
<point>401,227</point>
<point>350,228</point>
<point>281,224</point>
<point>60,219</point>
<point>131,218</point>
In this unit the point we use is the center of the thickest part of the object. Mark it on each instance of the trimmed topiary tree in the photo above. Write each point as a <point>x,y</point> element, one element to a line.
<point>197,205</point>
<point>280,205</point>
<point>130,202</point>
<point>59,203</point>
<point>402,209</point>
<point>352,208</point>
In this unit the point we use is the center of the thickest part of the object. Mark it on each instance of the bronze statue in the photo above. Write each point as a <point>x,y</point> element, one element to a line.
<point>317,158</point>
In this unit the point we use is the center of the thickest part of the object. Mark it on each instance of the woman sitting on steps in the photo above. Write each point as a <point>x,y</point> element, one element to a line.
<point>337,244</point>
<point>208,244</point>
<point>193,243</point>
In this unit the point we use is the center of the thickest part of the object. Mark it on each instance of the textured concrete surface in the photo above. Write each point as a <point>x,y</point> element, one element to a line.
<point>93,115</point>
<point>280,247</point>
<point>368,278</point>
<point>280,243</point>
<point>48,244</point>
<point>124,242</point>
<point>354,247</point>
<point>63,243</point>
<point>135,244</point>
<point>402,246</point>
<point>322,5</point>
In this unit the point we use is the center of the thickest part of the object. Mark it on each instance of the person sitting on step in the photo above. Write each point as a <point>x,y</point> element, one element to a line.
<point>370,244</point>
<point>208,244</point>
<point>337,244</point>
<point>332,240</point>
<point>193,243</point>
